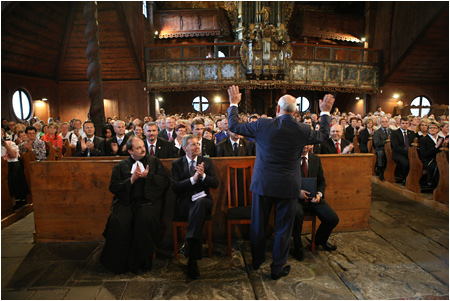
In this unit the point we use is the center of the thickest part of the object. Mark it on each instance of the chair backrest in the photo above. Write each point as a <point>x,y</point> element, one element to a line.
<point>239,176</point>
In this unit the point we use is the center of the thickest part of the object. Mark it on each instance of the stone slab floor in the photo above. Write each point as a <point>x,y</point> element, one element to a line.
<point>404,255</point>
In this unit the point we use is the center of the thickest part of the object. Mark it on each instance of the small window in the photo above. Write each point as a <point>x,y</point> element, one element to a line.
<point>303,104</point>
<point>422,105</point>
<point>22,105</point>
<point>204,104</point>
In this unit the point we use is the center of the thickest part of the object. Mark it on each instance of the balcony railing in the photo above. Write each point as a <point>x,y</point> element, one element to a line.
<point>305,52</point>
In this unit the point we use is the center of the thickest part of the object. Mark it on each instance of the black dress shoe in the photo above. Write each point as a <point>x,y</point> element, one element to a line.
<point>193,271</point>
<point>284,272</point>
<point>184,250</point>
<point>327,246</point>
<point>298,254</point>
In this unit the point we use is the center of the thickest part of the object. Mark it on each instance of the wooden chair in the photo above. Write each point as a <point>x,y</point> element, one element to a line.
<point>415,168</point>
<point>440,193</point>
<point>182,224</point>
<point>389,173</point>
<point>239,210</point>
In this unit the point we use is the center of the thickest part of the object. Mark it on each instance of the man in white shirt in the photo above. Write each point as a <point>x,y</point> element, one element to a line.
<point>335,144</point>
<point>76,133</point>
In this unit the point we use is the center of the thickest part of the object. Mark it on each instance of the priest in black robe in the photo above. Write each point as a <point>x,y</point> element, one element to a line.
<point>138,184</point>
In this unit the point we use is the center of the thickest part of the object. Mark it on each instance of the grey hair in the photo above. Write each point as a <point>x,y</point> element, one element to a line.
<point>186,139</point>
<point>116,124</point>
<point>285,105</point>
<point>151,123</point>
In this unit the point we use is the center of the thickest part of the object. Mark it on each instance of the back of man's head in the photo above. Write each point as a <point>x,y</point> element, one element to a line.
<point>287,104</point>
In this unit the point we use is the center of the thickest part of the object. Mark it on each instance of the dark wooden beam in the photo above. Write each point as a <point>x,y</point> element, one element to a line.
<point>126,31</point>
<point>66,36</point>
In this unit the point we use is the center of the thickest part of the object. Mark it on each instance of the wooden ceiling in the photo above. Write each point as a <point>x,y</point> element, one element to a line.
<point>46,39</point>
<point>426,61</point>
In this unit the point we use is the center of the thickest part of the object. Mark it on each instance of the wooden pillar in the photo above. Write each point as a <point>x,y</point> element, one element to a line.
<point>248,101</point>
<point>153,105</point>
<point>94,72</point>
<point>150,10</point>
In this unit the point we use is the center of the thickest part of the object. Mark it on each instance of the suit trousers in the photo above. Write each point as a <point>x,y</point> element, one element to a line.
<point>327,216</point>
<point>284,214</point>
<point>197,212</point>
<point>403,161</point>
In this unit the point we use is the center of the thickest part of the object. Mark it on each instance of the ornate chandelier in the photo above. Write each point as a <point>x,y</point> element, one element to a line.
<point>266,52</point>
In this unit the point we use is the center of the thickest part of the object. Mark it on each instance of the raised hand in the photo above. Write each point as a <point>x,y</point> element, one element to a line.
<point>234,95</point>
<point>145,172</point>
<point>326,104</point>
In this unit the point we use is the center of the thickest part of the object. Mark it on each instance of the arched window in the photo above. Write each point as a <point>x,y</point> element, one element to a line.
<point>303,104</point>
<point>200,106</point>
<point>422,105</point>
<point>22,105</point>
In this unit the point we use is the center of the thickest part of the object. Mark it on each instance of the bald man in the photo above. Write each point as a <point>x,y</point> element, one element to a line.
<point>336,145</point>
<point>276,179</point>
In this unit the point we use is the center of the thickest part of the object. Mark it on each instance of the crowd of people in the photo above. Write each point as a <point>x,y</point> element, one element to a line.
<point>195,137</point>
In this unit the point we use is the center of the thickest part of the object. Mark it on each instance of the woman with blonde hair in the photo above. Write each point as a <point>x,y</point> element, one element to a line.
<point>53,136</point>
<point>422,127</point>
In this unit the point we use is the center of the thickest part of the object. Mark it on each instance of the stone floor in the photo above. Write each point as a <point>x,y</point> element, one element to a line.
<point>404,255</point>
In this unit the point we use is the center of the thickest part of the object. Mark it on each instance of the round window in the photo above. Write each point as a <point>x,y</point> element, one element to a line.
<point>22,105</point>
<point>422,106</point>
<point>303,104</point>
<point>203,104</point>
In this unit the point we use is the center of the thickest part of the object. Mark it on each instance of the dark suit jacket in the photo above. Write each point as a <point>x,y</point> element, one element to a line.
<point>328,146</point>
<point>363,140</point>
<point>225,149</point>
<point>109,151</point>
<point>279,143</point>
<point>350,133</point>
<point>163,149</point>
<point>99,148</point>
<point>163,134</point>
<point>315,170</point>
<point>427,150</point>
<point>154,185</point>
<point>379,139</point>
<point>208,149</point>
<point>182,185</point>
<point>398,143</point>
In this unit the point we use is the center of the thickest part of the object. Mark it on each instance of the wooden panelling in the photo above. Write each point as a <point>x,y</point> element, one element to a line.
<point>76,207</point>
<point>7,206</point>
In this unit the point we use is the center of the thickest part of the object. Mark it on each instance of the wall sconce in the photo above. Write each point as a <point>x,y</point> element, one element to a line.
<point>217,99</point>
<point>396,96</point>
<point>357,98</point>
<point>156,33</point>
<point>363,39</point>
<point>44,99</point>
<point>160,99</point>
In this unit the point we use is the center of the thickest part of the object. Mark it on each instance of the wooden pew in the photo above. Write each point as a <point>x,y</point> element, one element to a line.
<point>415,168</point>
<point>76,207</point>
<point>67,150</point>
<point>371,150</point>
<point>356,149</point>
<point>389,173</point>
<point>51,152</point>
<point>440,193</point>
<point>26,159</point>
<point>7,205</point>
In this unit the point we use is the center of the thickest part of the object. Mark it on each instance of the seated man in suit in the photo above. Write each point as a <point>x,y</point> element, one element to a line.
<point>155,146</point>
<point>117,145</point>
<point>335,144</point>
<point>380,137</point>
<point>224,132</point>
<point>192,177</point>
<point>401,140</point>
<point>312,168</point>
<point>169,132</point>
<point>207,147</point>
<point>234,146</point>
<point>90,146</point>
<point>138,184</point>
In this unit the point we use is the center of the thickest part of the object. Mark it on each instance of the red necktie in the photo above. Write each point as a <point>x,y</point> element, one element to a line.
<point>338,148</point>
<point>152,153</point>
<point>304,167</point>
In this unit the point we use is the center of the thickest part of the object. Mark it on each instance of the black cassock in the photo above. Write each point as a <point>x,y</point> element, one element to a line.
<point>133,226</point>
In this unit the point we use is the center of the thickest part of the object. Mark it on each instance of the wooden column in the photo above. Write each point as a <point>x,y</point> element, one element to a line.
<point>248,101</point>
<point>94,72</point>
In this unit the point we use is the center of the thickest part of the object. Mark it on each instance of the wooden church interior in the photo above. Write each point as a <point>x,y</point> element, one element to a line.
<point>155,55</point>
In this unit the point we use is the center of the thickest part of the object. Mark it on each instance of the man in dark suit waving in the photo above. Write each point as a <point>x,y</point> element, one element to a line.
<point>192,177</point>
<point>276,177</point>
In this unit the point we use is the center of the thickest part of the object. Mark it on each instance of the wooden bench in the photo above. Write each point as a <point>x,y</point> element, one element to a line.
<point>356,149</point>
<point>75,205</point>
<point>440,193</point>
<point>415,168</point>
<point>389,173</point>
<point>7,205</point>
